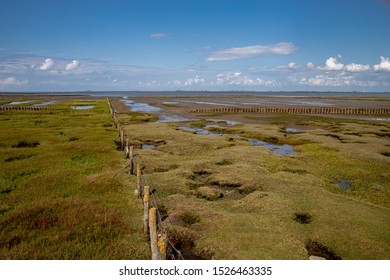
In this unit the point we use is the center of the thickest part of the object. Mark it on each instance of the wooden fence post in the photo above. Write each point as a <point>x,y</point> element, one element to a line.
<point>131,156</point>
<point>122,137</point>
<point>146,208</point>
<point>127,147</point>
<point>139,180</point>
<point>162,246</point>
<point>153,233</point>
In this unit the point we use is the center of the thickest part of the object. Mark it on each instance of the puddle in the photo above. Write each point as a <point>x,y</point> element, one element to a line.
<point>200,131</point>
<point>376,119</point>
<point>208,103</point>
<point>170,103</point>
<point>89,107</point>
<point>282,150</point>
<point>227,122</point>
<point>140,107</point>
<point>147,147</point>
<point>344,184</point>
<point>172,118</point>
<point>44,103</point>
<point>292,130</point>
<point>309,103</point>
<point>20,102</point>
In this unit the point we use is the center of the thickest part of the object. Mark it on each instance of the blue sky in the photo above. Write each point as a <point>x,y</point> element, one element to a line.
<point>340,45</point>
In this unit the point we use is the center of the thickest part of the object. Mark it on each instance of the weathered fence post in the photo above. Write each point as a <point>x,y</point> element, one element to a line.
<point>131,156</point>
<point>127,147</point>
<point>146,208</point>
<point>122,137</point>
<point>153,233</point>
<point>139,180</point>
<point>162,246</point>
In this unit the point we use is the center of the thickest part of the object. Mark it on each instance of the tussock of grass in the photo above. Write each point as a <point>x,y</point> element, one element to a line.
<point>190,217</point>
<point>209,193</point>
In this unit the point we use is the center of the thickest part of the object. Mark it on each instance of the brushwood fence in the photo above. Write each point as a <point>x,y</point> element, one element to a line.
<point>161,244</point>
<point>300,110</point>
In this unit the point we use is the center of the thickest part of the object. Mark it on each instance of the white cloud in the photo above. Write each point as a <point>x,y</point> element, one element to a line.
<point>353,67</point>
<point>194,81</point>
<point>73,65</point>
<point>175,83</point>
<point>292,66</point>
<point>11,81</point>
<point>237,79</point>
<point>332,64</point>
<point>159,35</point>
<point>252,51</point>
<point>310,65</point>
<point>384,64</point>
<point>47,64</point>
<point>338,80</point>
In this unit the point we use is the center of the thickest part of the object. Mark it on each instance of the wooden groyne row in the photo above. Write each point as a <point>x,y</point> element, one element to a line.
<point>300,110</point>
<point>24,108</point>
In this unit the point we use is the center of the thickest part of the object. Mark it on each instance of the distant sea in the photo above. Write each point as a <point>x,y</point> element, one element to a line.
<point>203,93</point>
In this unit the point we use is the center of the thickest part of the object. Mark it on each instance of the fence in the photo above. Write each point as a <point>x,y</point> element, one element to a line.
<point>300,110</point>
<point>161,245</point>
<point>23,108</point>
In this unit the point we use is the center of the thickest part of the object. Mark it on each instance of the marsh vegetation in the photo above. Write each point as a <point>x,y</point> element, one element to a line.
<point>252,203</point>
<point>65,191</point>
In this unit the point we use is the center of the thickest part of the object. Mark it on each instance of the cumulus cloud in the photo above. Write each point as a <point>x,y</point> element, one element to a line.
<point>353,67</point>
<point>310,65</point>
<point>194,81</point>
<point>237,79</point>
<point>337,81</point>
<point>292,66</point>
<point>252,51</point>
<point>73,65</point>
<point>46,65</point>
<point>11,81</point>
<point>332,64</point>
<point>384,64</point>
<point>159,35</point>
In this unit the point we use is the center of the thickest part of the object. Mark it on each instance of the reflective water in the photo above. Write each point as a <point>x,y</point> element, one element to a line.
<point>147,147</point>
<point>44,103</point>
<point>200,131</point>
<point>20,102</point>
<point>344,184</point>
<point>88,107</point>
<point>139,106</point>
<point>282,150</point>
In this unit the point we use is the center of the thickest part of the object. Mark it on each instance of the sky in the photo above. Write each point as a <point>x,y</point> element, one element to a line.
<point>168,45</point>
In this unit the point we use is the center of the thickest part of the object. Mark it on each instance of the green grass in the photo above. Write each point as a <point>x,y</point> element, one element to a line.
<point>262,192</point>
<point>68,196</point>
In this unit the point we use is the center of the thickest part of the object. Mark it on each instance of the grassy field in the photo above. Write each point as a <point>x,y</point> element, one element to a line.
<point>65,192</point>
<point>227,199</point>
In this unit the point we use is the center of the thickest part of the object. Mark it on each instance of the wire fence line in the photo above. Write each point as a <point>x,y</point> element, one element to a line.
<point>156,223</point>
